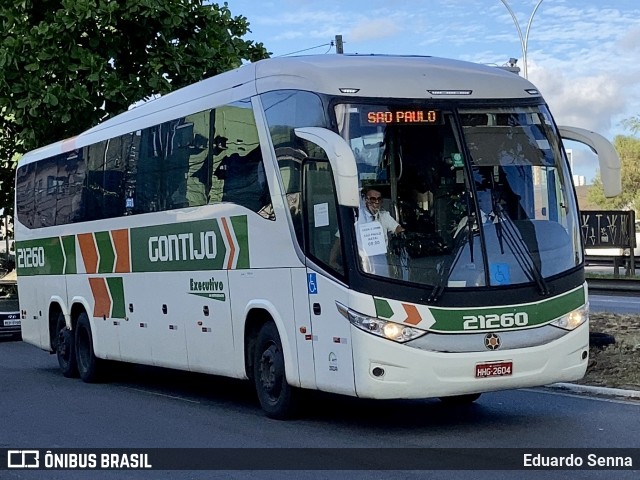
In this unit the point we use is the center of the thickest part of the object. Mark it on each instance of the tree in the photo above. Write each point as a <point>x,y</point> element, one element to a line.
<point>66,65</point>
<point>8,157</point>
<point>632,124</point>
<point>628,149</point>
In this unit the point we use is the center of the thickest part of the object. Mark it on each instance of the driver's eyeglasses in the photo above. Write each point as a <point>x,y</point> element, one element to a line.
<point>374,199</point>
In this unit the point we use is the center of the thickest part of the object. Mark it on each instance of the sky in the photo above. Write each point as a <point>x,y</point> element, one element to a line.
<point>583,55</point>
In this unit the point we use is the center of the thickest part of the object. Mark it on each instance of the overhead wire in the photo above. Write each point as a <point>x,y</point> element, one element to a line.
<point>330,45</point>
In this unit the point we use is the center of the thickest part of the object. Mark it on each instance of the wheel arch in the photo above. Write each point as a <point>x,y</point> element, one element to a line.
<point>79,305</point>
<point>257,314</point>
<point>56,307</point>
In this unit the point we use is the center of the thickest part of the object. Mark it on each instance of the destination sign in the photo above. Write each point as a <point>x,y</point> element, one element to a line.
<point>400,117</point>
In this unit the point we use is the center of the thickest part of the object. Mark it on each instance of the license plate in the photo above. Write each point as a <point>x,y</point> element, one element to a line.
<point>11,323</point>
<point>494,369</point>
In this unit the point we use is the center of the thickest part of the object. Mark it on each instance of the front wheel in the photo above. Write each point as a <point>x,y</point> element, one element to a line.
<point>65,348</point>
<point>89,366</point>
<point>276,396</point>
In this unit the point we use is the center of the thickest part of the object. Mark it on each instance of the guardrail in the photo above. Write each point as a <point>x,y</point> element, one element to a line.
<point>614,286</point>
<point>617,262</point>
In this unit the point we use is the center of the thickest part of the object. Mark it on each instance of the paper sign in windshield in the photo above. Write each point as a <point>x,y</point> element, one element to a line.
<point>372,238</point>
<point>321,214</point>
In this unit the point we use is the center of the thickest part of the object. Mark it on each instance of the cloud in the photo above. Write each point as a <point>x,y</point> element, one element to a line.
<point>592,102</point>
<point>630,40</point>
<point>585,101</point>
<point>374,29</point>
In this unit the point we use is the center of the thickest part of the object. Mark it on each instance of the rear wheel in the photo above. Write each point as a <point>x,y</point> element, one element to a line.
<point>89,366</point>
<point>460,399</point>
<point>277,397</point>
<point>65,348</point>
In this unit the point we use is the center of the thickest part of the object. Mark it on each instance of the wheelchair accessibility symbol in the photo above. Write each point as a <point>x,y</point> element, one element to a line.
<point>312,283</point>
<point>500,274</point>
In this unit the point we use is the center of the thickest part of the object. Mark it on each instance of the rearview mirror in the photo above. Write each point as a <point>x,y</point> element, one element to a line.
<point>607,157</point>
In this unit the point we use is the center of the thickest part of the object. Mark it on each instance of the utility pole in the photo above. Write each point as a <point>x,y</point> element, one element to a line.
<point>523,40</point>
<point>339,47</point>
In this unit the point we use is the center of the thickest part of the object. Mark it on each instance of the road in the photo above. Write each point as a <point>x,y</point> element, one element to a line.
<point>614,304</point>
<point>146,407</point>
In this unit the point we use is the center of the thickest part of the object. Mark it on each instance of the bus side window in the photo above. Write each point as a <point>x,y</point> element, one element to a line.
<point>321,214</point>
<point>238,171</point>
<point>196,185</point>
<point>286,110</point>
<point>71,175</point>
<point>25,194</point>
<point>46,192</point>
<point>290,165</point>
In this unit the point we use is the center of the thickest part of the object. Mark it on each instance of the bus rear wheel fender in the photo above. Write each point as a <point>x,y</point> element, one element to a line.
<point>277,398</point>
<point>89,366</point>
<point>65,348</point>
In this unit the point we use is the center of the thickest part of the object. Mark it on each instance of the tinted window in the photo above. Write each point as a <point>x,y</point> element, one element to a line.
<point>71,177</point>
<point>47,185</point>
<point>104,187</point>
<point>206,157</point>
<point>25,177</point>
<point>285,111</point>
<point>238,170</point>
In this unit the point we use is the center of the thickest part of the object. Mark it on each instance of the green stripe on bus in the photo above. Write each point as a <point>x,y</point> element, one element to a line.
<point>241,232</point>
<point>40,257</point>
<point>537,313</point>
<point>69,247</point>
<point>116,289</point>
<point>383,309</point>
<point>188,246</point>
<point>105,250</point>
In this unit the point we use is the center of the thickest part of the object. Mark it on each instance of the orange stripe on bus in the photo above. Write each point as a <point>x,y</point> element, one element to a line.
<point>89,252</point>
<point>121,244</point>
<point>102,302</point>
<point>413,315</point>
<point>232,247</point>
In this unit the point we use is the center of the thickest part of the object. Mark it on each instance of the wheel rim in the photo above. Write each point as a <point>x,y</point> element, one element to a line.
<point>271,372</point>
<point>83,349</point>
<point>63,346</point>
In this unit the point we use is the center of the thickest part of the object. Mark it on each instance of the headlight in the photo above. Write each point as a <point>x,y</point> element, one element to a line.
<point>382,328</point>
<point>574,319</point>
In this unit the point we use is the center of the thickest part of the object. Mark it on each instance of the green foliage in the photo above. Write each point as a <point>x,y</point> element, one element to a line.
<point>8,157</point>
<point>628,149</point>
<point>632,124</point>
<point>66,65</point>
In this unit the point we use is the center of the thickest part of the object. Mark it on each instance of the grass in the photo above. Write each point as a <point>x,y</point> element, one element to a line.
<point>617,365</point>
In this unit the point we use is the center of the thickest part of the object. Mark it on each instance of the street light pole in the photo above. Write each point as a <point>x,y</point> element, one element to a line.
<point>523,40</point>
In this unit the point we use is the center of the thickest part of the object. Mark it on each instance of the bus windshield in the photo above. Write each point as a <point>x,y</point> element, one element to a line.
<point>461,197</point>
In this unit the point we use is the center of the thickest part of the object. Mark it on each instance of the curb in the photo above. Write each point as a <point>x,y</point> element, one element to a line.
<point>606,391</point>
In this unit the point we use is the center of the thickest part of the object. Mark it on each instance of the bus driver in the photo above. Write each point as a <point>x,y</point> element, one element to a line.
<point>371,211</point>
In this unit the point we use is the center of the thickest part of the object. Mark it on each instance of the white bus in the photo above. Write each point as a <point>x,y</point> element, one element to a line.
<point>380,227</point>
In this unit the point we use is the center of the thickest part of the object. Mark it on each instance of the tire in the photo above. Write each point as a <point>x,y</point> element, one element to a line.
<point>460,399</point>
<point>601,340</point>
<point>276,396</point>
<point>65,346</point>
<point>89,366</point>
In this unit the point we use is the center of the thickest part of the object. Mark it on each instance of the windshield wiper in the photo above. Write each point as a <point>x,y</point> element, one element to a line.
<point>445,273</point>
<point>507,231</point>
<point>443,277</point>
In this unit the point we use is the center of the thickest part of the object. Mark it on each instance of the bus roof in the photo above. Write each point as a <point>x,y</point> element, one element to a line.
<point>380,76</point>
<point>386,76</point>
